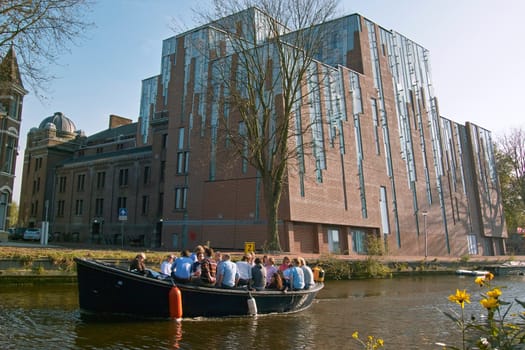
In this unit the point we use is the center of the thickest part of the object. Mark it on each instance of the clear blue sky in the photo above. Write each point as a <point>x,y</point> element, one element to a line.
<point>476,47</point>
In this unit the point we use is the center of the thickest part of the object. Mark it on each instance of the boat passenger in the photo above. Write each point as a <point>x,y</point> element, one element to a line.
<point>296,276</point>
<point>251,259</point>
<point>165,267</point>
<point>270,268</point>
<point>208,268</point>
<point>198,249</point>
<point>245,270</point>
<point>181,268</point>
<point>276,281</point>
<point>227,274</point>
<point>285,265</point>
<point>196,268</point>
<point>258,281</point>
<point>138,265</point>
<point>218,260</point>
<point>308,274</point>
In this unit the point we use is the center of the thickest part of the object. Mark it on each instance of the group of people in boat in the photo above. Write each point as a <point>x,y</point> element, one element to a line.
<point>215,269</point>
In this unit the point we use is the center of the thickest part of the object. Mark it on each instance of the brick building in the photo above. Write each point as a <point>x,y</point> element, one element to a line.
<point>386,164</point>
<point>12,93</point>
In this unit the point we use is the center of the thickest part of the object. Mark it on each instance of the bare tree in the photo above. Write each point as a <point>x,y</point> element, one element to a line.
<point>510,155</point>
<point>40,32</point>
<point>264,75</point>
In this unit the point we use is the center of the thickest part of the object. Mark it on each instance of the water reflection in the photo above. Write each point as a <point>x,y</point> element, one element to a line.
<point>405,312</point>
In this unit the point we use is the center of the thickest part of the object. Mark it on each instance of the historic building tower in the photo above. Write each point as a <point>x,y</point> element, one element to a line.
<point>12,93</point>
<point>53,141</point>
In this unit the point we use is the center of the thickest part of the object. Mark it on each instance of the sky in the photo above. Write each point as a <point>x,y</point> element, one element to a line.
<point>476,49</point>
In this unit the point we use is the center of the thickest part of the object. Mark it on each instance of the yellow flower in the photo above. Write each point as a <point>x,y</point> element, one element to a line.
<point>461,297</point>
<point>355,335</point>
<point>489,276</point>
<point>480,281</point>
<point>490,303</point>
<point>495,293</point>
<point>380,342</point>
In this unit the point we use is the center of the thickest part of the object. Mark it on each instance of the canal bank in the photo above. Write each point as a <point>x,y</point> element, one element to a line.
<point>26,262</point>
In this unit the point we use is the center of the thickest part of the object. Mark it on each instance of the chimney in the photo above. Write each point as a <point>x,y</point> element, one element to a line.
<point>115,121</point>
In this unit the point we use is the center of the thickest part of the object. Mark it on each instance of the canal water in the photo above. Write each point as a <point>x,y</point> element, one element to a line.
<point>407,312</point>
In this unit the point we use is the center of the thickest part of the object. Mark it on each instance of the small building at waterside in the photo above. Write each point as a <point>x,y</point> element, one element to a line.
<point>387,165</point>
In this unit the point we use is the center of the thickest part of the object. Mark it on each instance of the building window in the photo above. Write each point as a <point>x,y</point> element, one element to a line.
<point>60,208</point>
<point>38,164</point>
<point>147,175</point>
<point>100,150</point>
<point>181,138</point>
<point>162,170</point>
<point>80,182</point>
<point>383,207</point>
<point>62,184</point>
<point>123,178</point>
<point>34,208</point>
<point>101,179</point>
<point>99,207</point>
<point>160,206</point>
<point>182,162</point>
<point>121,203</point>
<point>180,198</point>
<point>36,185</point>
<point>79,207</point>
<point>145,205</point>
<point>164,141</point>
<point>375,120</point>
<point>10,155</point>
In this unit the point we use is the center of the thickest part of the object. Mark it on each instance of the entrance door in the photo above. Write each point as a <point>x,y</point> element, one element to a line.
<point>472,245</point>
<point>358,241</point>
<point>95,232</point>
<point>3,210</point>
<point>158,235</point>
<point>334,245</point>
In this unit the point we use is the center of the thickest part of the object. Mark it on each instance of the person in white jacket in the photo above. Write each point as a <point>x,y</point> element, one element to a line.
<point>245,270</point>
<point>308,274</point>
<point>165,267</point>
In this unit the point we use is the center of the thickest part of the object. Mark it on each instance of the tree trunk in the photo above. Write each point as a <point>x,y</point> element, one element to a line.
<point>272,200</point>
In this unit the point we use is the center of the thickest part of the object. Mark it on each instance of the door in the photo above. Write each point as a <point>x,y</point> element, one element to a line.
<point>334,245</point>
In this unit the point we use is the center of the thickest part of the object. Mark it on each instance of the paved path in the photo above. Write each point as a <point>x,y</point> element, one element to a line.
<point>308,256</point>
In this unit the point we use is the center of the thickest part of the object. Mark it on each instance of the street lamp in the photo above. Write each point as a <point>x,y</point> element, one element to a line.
<point>425,213</point>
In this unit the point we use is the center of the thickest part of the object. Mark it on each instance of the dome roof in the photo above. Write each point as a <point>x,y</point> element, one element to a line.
<point>61,122</point>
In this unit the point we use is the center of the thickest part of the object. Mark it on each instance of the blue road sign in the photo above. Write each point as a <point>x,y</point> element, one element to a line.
<point>123,214</point>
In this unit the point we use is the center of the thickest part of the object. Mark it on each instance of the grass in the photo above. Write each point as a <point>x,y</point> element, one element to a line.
<point>62,258</point>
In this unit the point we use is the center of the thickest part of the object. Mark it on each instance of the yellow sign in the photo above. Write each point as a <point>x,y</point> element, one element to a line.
<point>249,247</point>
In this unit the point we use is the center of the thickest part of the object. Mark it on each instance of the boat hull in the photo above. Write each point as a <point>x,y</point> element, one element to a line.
<point>106,288</point>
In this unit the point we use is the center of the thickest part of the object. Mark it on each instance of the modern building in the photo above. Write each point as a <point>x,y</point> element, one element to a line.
<point>12,93</point>
<point>385,164</point>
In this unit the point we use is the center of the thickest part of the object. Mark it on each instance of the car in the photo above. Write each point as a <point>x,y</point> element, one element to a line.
<point>15,233</point>
<point>32,234</point>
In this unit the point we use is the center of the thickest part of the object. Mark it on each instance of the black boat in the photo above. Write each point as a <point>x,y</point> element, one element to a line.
<point>105,287</point>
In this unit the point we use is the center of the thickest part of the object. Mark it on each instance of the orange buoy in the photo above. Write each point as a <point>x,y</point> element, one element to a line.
<point>175,301</point>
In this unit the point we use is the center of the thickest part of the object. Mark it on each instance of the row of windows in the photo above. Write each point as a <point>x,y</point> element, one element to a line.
<point>122,202</point>
<point>123,179</point>
<point>38,164</point>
